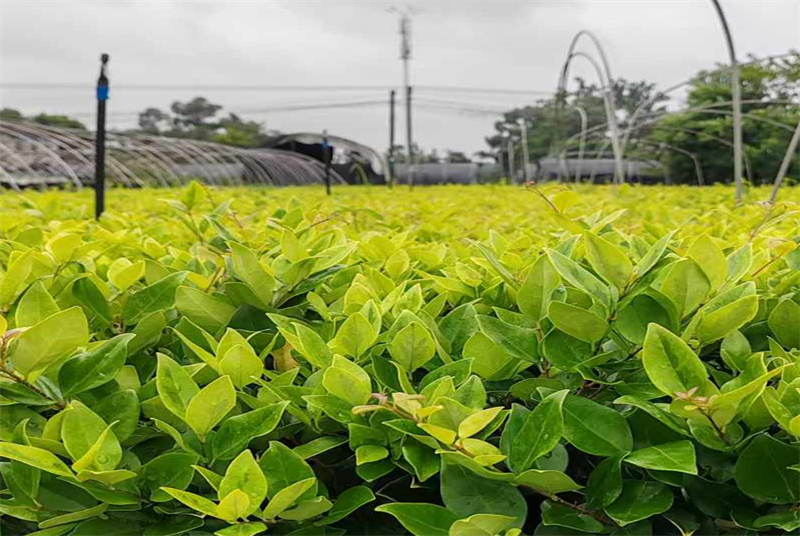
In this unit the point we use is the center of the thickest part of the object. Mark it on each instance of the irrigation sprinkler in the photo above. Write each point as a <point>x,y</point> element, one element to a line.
<point>736,95</point>
<point>100,141</point>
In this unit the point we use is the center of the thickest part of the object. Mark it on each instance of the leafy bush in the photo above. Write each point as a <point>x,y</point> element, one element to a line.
<point>325,369</point>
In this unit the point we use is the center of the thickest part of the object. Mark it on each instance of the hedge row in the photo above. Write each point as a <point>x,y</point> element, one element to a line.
<point>204,369</point>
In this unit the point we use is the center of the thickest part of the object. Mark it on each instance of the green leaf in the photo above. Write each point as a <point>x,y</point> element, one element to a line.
<point>173,469</point>
<point>348,502</point>
<point>34,306</point>
<point>312,347</point>
<point>347,381</point>
<point>244,474</point>
<point>579,277</point>
<point>670,364</point>
<point>176,388</point>
<point>707,254</point>
<point>242,529</point>
<point>421,519</point>
<point>558,515</point>
<point>72,517</point>
<point>123,273</point>
<point>477,422</point>
<point>577,322</point>
<point>236,432</point>
<point>675,456</point>
<point>355,336</point>
<point>547,481</point>
<point>465,493</point>
<point>318,446</point>
<point>210,405</point>
<point>653,255</point>
<point>95,367</point>
<point>412,346</point>
<point>249,270</point>
<point>208,312</point>
<point>482,525</point>
<point>739,263</point>
<point>193,501</point>
<point>538,434</point>
<point>157,297</point>
<point>534,295</point>
<point>727,319</point>
<point>607,260</point>
<point>307,509</point>
<point>517,342</point>
<point>783,321</point>
<point>762,471</point>
<point>35,457</point>
<point>283,467</point>
<point>242,365</point>
<point>685,284</point>
<point>581,416</point>
<point>287,496</point>
<point>48,341</point>
<point>605,482</point>
<point>640,500</point>
<point>370,453</point>
<point>93,300</point>
<point>84,432</point>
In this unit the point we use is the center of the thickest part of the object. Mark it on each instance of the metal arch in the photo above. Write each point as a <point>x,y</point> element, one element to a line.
<point>21,162</point>
<point>75,180</point>
<point>133,148</point>
<point>53,139</point>
<point>82,144</point>
<point>736,93</point>
<point>159,142</point>
<point>787,160</point>
<point>697,166</point>
<point>609,82</point>
<point>639,109</point>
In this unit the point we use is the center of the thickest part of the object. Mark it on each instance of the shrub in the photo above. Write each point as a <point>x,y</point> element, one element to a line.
<point>208,371</point>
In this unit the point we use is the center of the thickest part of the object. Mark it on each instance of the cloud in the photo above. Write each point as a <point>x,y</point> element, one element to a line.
<point>455,43</point>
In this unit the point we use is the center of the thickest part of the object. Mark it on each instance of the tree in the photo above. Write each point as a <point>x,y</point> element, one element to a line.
<point>154,121</point>
<point>550,122</point>
<point>60,121</point>
<point>10,114</point>
<point>769,93</point>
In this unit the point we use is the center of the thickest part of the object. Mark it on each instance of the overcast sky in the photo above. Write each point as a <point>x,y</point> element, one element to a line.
<point>490,43</point>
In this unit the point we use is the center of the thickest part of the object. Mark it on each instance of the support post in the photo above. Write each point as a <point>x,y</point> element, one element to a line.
<point>736,97</point>
<point>392,94</point>
<point>523,125</point>
<point>326,150</point>
<point>100,141</point>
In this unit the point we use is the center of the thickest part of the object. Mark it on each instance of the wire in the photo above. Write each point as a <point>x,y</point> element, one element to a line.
<point>267,87</point>
<point>189,87</point>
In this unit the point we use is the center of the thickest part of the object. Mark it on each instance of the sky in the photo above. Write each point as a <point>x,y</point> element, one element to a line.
<point>457,44</point>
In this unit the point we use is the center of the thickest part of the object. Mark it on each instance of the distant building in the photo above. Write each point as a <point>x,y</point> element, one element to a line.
<point>597,170</point>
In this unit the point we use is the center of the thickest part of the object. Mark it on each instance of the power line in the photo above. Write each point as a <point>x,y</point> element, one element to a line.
<point>48,86</point>
<point>191,87</point>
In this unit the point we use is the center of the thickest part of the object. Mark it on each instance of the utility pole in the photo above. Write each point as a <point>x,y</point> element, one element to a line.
<point>100,141</point>
<point>511,170</point>
<point>405,55</point>
<point>390,171</point>
<point>523,127</point>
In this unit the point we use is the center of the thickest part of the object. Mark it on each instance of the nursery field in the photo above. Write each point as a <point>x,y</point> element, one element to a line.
<point>447,361</point>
